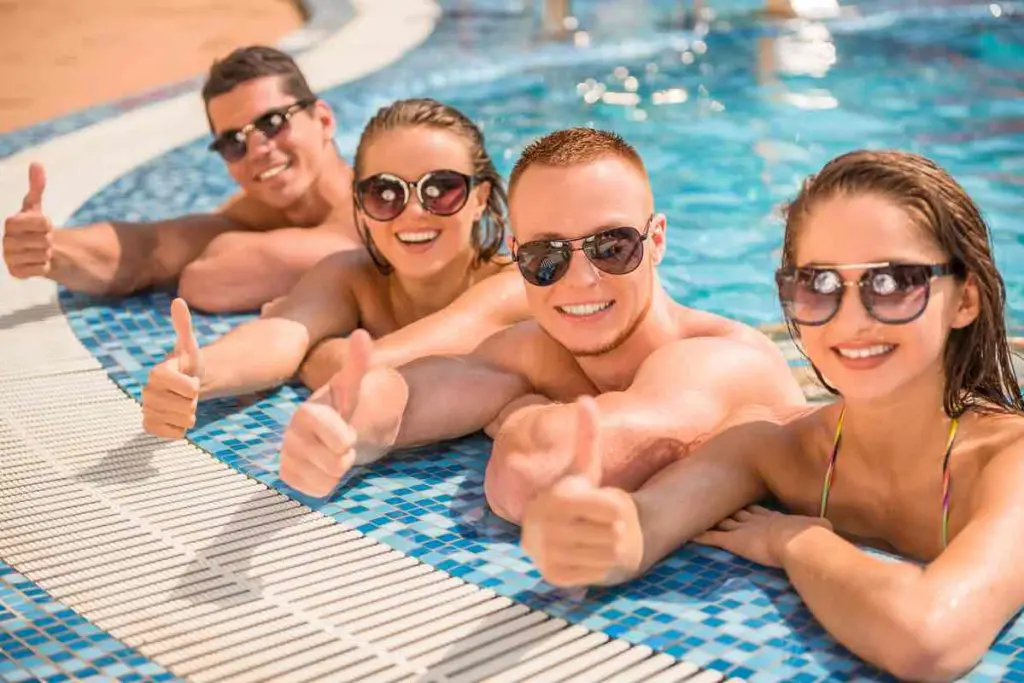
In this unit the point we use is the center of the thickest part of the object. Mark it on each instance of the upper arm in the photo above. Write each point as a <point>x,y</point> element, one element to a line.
<point>480,312</point>
<point>698,491</point>
<point>975,586</point>
<point>324,299</point>
<point>171,245</point>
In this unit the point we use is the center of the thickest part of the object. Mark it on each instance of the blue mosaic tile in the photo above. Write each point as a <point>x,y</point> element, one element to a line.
<point>45,641</point>
<point>700,604</point>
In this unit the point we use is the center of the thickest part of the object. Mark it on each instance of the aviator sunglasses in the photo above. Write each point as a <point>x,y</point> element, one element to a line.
<point>384,196</point>
<point>233,144</point>
<point>616,251</point>
<point>892,293</point>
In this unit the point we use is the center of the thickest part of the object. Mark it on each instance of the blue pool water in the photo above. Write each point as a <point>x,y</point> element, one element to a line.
<point>725,142</point>
<point>729,123</point>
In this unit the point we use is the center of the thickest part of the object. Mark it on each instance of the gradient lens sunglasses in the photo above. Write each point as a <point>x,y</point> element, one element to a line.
<point>233,144</point>
<point>616,251</point>
<point>892,293</point>
<point>384,196</point>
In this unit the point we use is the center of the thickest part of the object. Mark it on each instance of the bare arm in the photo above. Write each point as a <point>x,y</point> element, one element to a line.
<point>930,623</point>
<point>579,533</point>
<point>109,258</point>
<point>682,394</point>
<point>117,258</point>
<point>486,308</point>
<point>357,418</point>
<point>267,352</point>
<point>242,270</point>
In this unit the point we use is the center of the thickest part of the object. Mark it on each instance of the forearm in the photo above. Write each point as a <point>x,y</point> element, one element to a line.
<point>104,259</point>
<point>259,355</point>
<point>878,609</point>
<point>325,360</point>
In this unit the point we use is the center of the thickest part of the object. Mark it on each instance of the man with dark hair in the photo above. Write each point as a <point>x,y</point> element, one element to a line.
<point>587,242</point>
<point>294,208</point>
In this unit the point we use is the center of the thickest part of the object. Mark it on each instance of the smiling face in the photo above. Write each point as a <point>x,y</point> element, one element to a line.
<point>279,171</point>
<point>860,356</point>
<point>588,311</point>
<point>417,243</point>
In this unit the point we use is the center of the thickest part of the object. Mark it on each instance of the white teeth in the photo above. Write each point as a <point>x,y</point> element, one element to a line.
<point>584,309</point>
<point>271,172</point>
<point>866,352</point>
<point>417,237</point>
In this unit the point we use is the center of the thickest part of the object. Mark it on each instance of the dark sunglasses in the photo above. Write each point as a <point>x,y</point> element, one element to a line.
<point>892,293</point>
<point>615,251</point>
<point>233,144</point>
<point>443,193</point>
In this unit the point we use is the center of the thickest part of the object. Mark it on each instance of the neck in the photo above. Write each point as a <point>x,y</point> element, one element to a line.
<point>415,298</point>
<point>905,424</point>
<point>616,369</point>
<point>330,193</point>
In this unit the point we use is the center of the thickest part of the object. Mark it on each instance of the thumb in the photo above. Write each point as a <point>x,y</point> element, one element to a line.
<point>346,383</point>
<point>586,460</point>
<point>190,360</point>
<point>36,184</point>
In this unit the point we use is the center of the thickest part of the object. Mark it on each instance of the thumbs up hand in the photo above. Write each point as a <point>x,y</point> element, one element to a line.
<point>576,532</point>
<point>28,234</point>
<point>171,394</point>
<point>319,445</point>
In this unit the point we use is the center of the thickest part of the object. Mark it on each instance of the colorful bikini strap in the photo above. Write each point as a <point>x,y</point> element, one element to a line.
<point>826,488</point>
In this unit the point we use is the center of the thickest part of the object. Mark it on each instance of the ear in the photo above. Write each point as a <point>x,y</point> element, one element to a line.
<point>482,193</point>
<point>656,237</point>
<point>323,113</point>
<point>969,306</point>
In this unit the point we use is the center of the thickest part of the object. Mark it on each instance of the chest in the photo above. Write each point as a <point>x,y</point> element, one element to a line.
<point>896,513</point>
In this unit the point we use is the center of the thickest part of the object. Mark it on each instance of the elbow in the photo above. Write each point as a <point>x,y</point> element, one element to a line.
<point>206,289</point>
<point>930,652</point>
<point>515,474</point>
<point>508,485</point>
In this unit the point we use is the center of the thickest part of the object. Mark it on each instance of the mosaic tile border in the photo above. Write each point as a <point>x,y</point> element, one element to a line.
<point>43,640</point>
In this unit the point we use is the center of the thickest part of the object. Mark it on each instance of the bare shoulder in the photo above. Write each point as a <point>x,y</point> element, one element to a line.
<point>996,441</point>
<point>526,349</point>
<point>701,359</point>
<point>348,267</point>
<point>251,213</point>
<point>695,323</point>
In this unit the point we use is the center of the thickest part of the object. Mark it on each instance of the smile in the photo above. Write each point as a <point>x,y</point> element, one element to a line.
<point>866,352</point>
<point>583,310</point>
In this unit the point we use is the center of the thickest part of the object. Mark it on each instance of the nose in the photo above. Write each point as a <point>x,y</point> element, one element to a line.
<point>257,143</point>
<point>582,272</point>
<point>852,316</point>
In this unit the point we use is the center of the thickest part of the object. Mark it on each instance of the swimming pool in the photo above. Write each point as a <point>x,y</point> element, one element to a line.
<point>729,123</point>
<point>723,149</point>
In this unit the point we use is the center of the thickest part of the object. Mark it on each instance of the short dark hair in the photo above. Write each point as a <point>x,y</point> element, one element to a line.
<point>252,62</point>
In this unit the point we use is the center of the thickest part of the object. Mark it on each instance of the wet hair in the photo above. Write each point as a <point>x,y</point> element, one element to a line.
<point>489,230</point>
<point>572,147</point>
<point>977,360</point>
<point>249,63</point>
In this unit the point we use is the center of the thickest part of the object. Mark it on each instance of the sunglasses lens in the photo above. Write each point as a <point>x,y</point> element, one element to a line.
<point>231,147</point>
<point>896,293</point>
<point>809,296</point>
<point>542,264</point>
<point>617,251</point>
<point>271,124</point>
<point>382,197</point>
<point>444,192</point>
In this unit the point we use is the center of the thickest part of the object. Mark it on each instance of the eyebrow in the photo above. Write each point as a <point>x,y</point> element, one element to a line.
<point>554,236</point>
